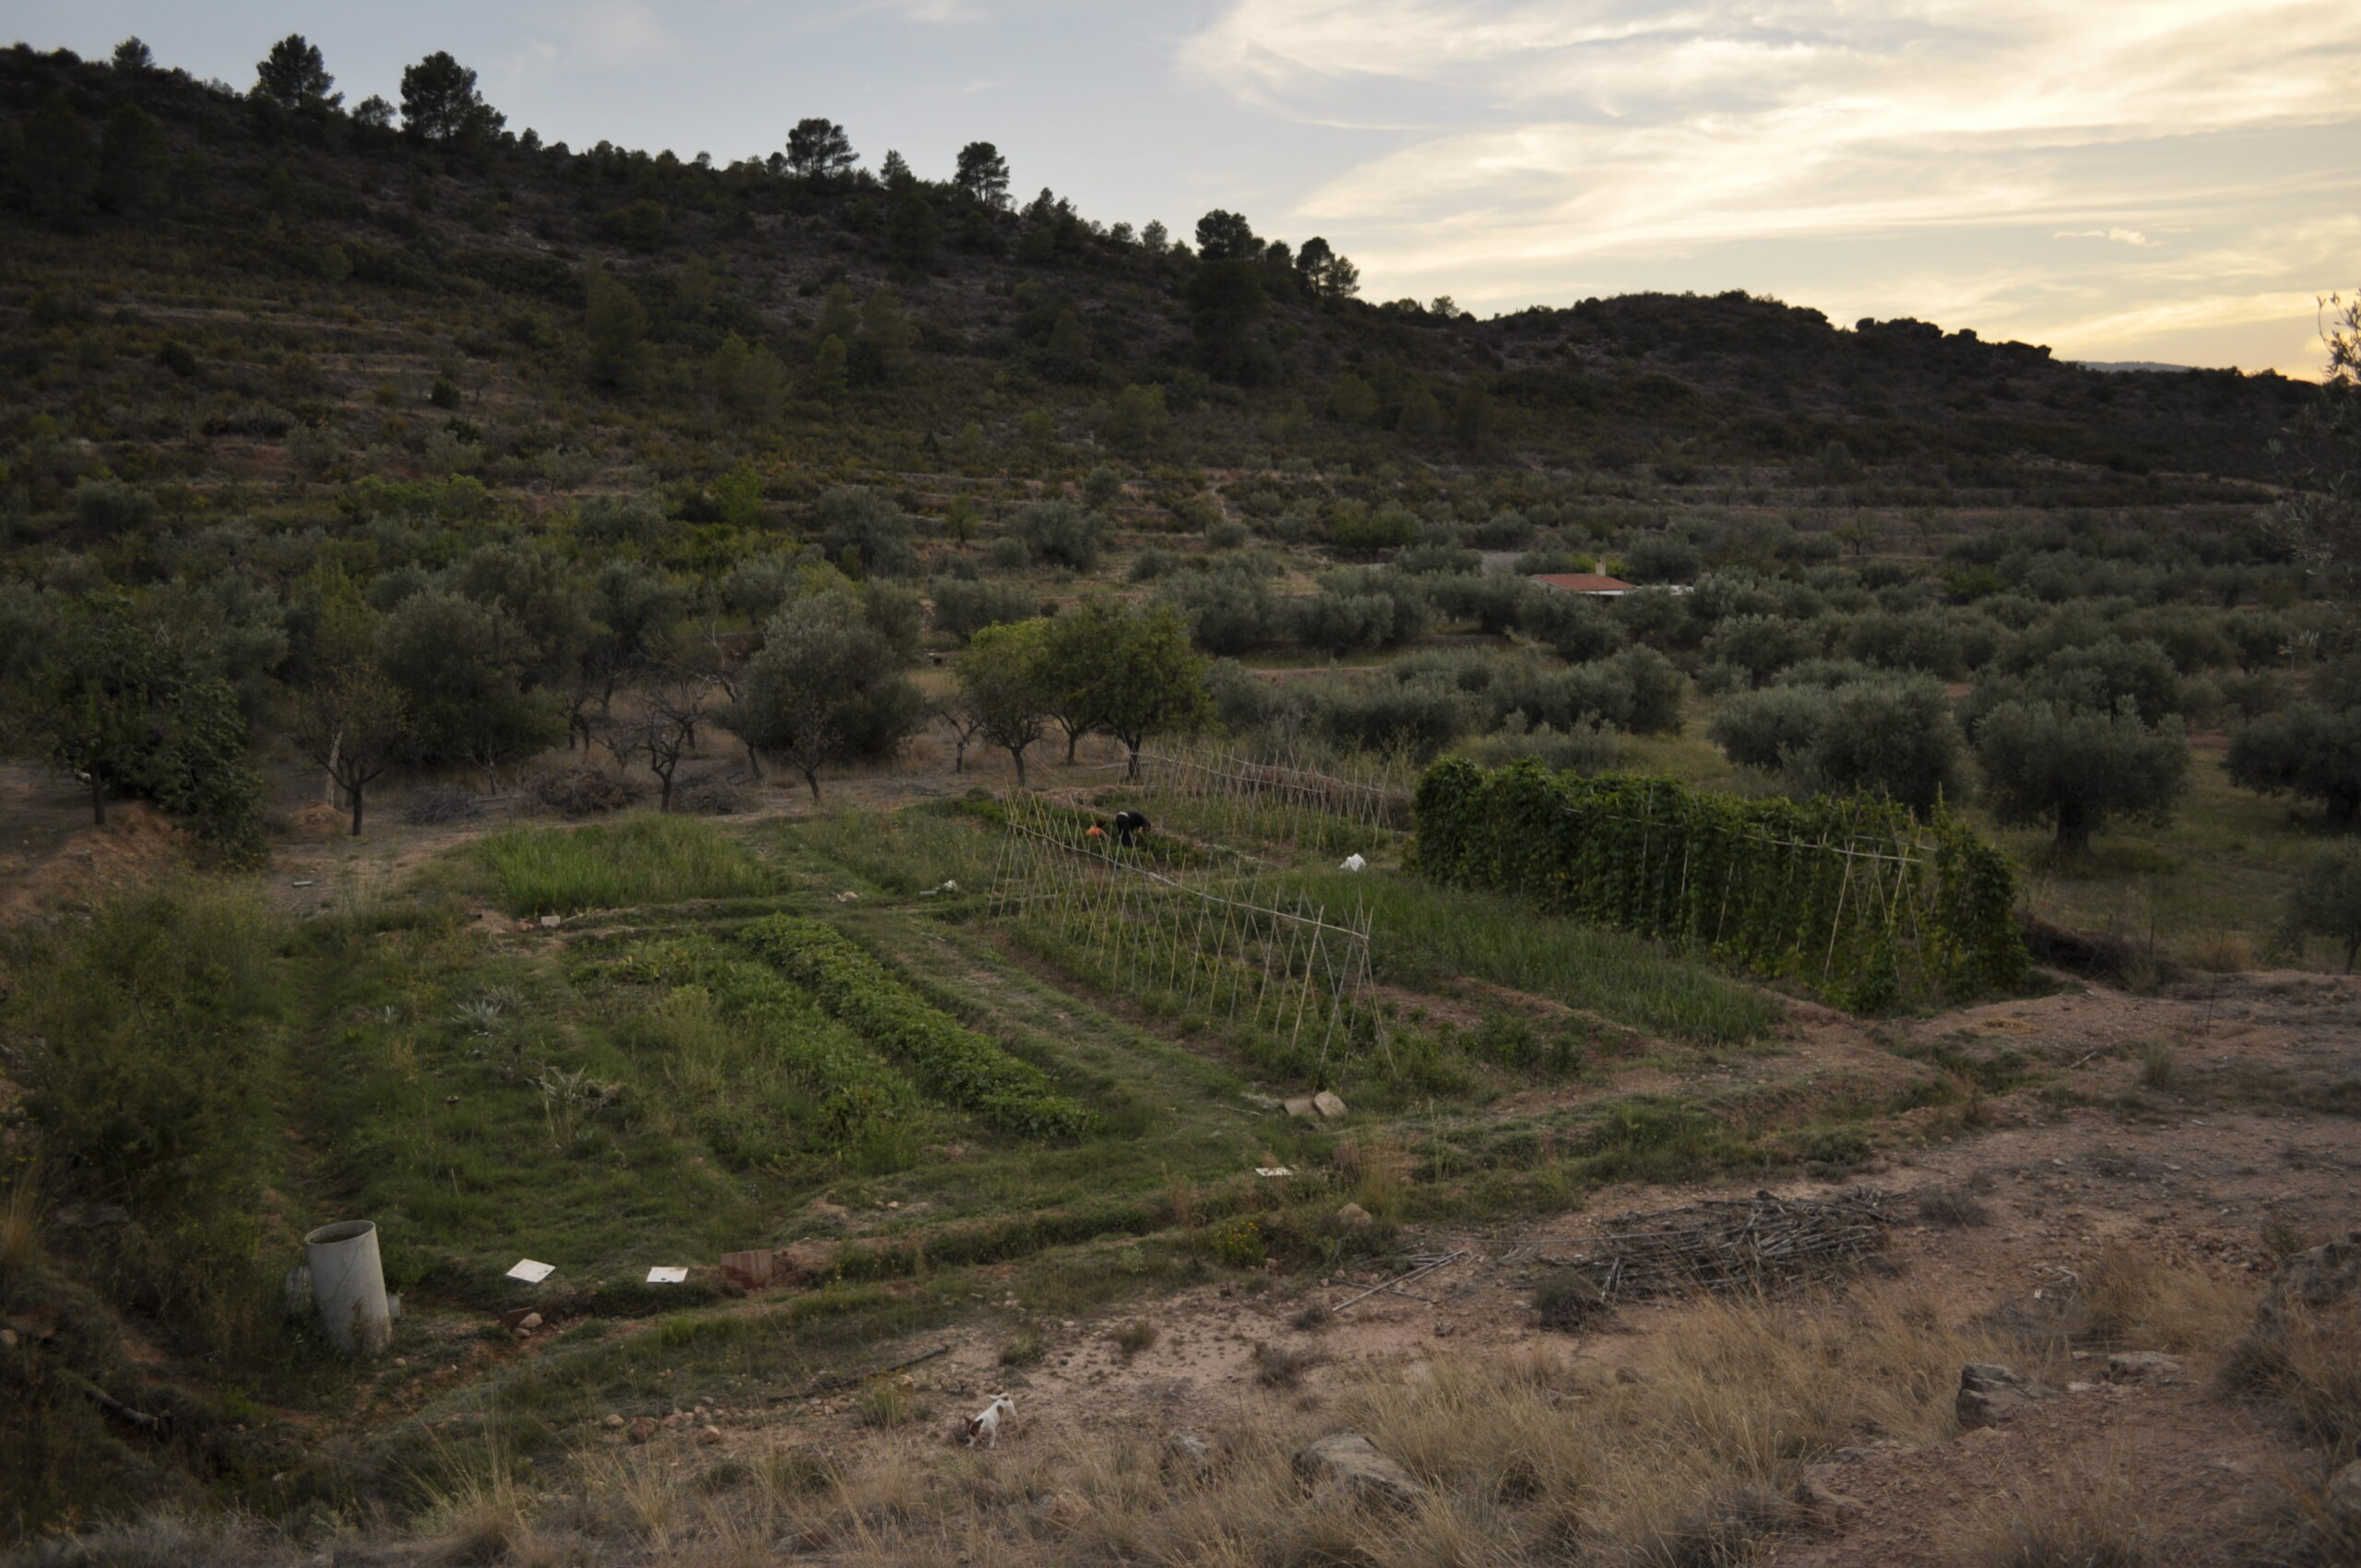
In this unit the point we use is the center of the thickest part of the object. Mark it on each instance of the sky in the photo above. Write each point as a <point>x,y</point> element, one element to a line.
<point>2164,180</point>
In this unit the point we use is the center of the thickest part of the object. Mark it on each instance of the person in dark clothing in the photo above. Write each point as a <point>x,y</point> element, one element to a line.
<point>1127,823</point>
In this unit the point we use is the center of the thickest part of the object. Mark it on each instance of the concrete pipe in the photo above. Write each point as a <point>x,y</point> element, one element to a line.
<point>348,1285</point>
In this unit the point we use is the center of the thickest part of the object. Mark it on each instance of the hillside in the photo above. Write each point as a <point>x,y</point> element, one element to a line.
<point>591,708</point>
<point>320,274</point>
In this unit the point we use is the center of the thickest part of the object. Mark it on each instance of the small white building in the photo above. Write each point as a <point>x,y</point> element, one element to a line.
<point>1592,585</point>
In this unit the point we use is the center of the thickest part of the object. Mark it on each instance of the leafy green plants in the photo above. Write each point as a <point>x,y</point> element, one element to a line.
<point>1850,897</point>
<point>952,1062</point>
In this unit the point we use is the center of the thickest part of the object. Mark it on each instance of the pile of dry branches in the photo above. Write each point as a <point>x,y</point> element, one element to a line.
<point>1723,1245</point>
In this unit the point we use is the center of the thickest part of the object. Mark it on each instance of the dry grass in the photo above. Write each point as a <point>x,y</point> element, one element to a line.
<point>2220,955</point>
<point>21,1230</point>
<point>2091,1520</point>
<point>2309,1362</point>
<point>1686,1462</point>
<point>2131,1301</point>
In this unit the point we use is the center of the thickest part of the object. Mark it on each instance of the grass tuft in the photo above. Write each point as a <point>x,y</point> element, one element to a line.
<point>646,859</point>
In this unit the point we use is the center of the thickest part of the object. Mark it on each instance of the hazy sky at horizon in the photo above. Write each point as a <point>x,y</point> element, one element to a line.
<point>2171,180</point>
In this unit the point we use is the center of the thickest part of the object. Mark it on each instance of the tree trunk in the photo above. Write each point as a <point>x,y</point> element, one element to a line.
<point>812,776</point>
<point>1073,739</point>
<point>355,791</point>
<point>1016,755</point>
<point>98,799</point>
<point>664,795</point>
<point>2073,833</point>
<point>327,786</point>
<point>1131,769</point>
<point>753,763</point>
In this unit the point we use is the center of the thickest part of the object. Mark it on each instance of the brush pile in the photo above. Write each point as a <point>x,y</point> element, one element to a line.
<point>1723,1246</point>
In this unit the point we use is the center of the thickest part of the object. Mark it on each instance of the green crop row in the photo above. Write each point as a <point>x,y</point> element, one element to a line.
<point>850,1086</point>
<point>952,1062</point>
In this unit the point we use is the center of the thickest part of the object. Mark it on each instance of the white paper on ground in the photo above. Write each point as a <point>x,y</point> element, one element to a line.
<point>667,1275</point>
<point>1272,1170</point>
<point>531,1272</point>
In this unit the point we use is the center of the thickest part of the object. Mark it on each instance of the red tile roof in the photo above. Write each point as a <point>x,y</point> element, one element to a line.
<point>1583,582</point>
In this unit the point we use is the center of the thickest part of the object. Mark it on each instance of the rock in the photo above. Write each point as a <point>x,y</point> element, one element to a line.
<point>1353,1216</point>
<point>549,922</point>
<point>1186,1454</point>
<point>1825,1504</point>
<point>2319,1277</point>
<point>1348,1461</point>
<point>530,1321</point>
<point>1990,1394</point>
<point>2144,1366</point>
<point>613,1422</point>
<point>643,1428</point>
<point>2342,1501</point>
<point>1330,1106</point>
<point>708,1436</point>
<point>1300,1105</point>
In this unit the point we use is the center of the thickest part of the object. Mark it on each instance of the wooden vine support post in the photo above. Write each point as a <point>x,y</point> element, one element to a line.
<point>1248,941</point>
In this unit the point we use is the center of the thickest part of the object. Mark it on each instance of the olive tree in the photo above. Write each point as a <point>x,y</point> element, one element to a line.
<point>2076,769</point>
<point>2311,750</point>
<point>828,688</point>
<point>2326,901</point>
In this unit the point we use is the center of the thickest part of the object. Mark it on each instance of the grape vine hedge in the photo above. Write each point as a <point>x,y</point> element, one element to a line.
<point>1868,908</point>
<point>954,1063</point>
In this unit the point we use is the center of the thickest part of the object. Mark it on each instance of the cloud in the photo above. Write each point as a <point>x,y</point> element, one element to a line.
<point>2119,236</point>
<point>938,12</point>
<point>1569,139</point>
<point>601,35</point>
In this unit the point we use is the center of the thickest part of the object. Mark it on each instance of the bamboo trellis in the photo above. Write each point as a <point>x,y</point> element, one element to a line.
<point>1245,953</point>
<point>1292,794</point>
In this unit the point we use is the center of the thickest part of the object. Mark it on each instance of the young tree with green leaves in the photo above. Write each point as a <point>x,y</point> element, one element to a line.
<point>354,724</point>
<point>1003,682</point>
<point>1125,670</point>
<point>129,700</point>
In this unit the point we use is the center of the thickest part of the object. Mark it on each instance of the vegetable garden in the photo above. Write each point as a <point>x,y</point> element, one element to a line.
<point>1238,951</point>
